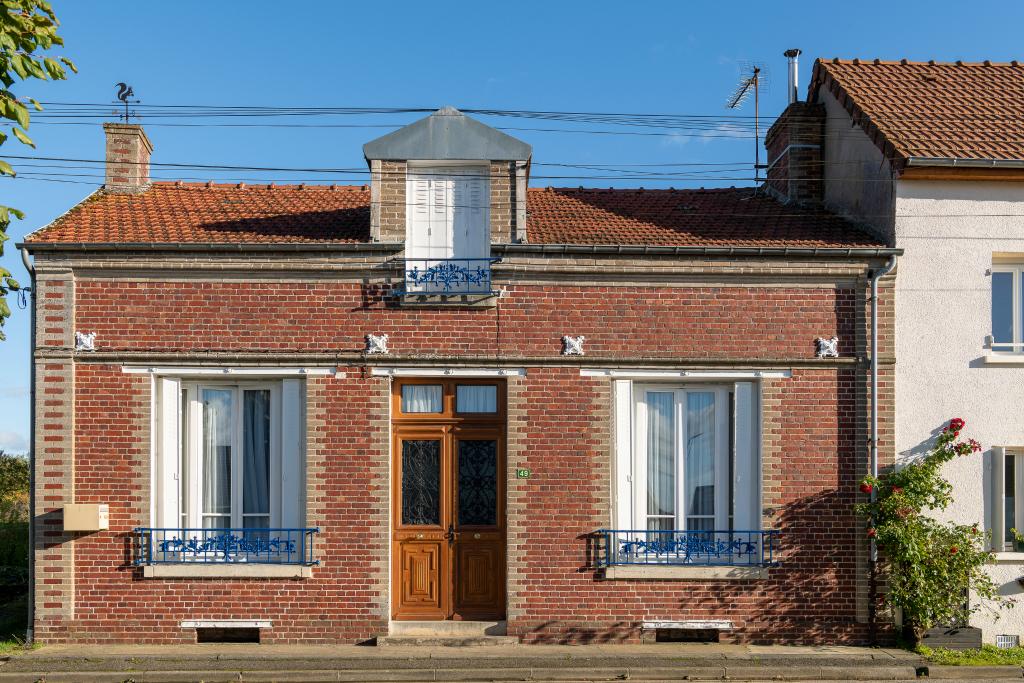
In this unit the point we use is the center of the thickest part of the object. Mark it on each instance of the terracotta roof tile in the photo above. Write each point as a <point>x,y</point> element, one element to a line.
<point>964,110</point>
<point>215,213</point>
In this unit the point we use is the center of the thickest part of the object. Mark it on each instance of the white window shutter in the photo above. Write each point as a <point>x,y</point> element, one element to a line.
<point>998,463</point>
<point>747,463</point>
<point>418,213</point>
<point>292,454</point>
<point>168,453</point>
<point>622,517</point>
<point>472,230</point>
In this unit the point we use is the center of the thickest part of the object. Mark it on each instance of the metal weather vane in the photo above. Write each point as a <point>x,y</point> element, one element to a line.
<point>124,95</point>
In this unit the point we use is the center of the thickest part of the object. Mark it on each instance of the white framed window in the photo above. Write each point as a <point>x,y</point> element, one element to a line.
<point>1007,302</point>
<point>1007,503</point>
<point>687,457</point>
<point>230,454</point>
<point>448,212</point>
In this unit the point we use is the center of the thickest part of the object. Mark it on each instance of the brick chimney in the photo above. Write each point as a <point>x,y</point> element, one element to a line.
<point>794,144</point>
<point>128,152</point>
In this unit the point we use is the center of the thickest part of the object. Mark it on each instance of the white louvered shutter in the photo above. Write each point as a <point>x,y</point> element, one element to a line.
<point>471,225</point>
<point>168,510</point>
<point>747,466</point>
<point>292,454</point>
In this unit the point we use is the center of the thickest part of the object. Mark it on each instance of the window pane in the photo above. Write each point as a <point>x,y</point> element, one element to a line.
<point>661,523</point>
<point>1002,307</point>
<point>256,452</point>
<point>421,398</point>
<point>661,464</point>
<point>700,459</point>
<point>217,412</point>
<point>476,398</point>
<point>216,521</point>
<point>1009,510</point>
<point>421,482</point>
<point>478,483</point>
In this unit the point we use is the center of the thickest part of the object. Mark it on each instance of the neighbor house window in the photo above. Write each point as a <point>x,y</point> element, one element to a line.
<point>1007,302</point>
<point>1007,506</point>
<point>692,462</point>
<point>230,456</point>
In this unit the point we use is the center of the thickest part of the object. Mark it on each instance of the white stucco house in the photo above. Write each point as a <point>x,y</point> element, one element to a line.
<point>930,156</point>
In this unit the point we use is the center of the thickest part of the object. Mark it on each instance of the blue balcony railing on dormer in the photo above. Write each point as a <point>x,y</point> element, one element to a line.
<point>252,546</point>
<point>684,547</point>
<point>448,277</point>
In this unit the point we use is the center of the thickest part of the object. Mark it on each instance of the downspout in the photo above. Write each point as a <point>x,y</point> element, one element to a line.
<point>30,631</point>
<point>873,559</point>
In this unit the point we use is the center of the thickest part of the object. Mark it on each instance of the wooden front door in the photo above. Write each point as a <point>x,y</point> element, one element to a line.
<point>448,538</point>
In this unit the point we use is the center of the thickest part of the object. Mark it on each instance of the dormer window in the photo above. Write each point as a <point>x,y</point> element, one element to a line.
<point>446,167</point>
<point>447,212</point>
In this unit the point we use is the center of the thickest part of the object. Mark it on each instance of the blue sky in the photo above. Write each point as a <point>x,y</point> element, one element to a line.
<point>657,57</point>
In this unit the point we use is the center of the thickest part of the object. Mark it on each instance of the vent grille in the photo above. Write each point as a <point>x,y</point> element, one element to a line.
<point>1006,641</point>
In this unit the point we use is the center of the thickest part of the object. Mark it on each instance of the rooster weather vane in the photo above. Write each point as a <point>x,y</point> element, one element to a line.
<point>124,94</point>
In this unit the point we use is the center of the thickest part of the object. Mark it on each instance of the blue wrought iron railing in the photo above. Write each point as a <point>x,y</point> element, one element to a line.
<point>709,548</point>
<point>253,546</point>
<point>448,276</point>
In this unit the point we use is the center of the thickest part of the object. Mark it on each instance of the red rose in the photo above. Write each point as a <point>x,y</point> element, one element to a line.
<point>866,488</point>
<point>953,550</point>
<point>872,532</point>
<point>975,446</point>
<point>956,424</point>
<point>897,489</point>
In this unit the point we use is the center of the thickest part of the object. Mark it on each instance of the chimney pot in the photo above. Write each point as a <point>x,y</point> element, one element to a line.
<point>127,157</point>
<point>793,56</point>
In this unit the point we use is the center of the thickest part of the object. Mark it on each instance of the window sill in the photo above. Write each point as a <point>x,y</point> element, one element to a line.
<point>226,571</point>
<point>482,300</point>
<point>1008,557</point>
<point>1004,359</point>
<point>643,572</point>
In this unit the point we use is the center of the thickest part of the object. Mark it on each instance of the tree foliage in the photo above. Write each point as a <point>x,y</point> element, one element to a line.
<point>932,566</point>
<point>28,32</point>
<point>14,483</point>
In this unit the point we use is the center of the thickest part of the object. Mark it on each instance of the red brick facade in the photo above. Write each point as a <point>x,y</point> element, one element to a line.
<point>94,431</point>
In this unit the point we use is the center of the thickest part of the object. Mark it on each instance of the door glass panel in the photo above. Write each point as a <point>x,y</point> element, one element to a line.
<point>256,456</point>
<point>1002,308</point>
<point>478,483</point>
<point>476,398</point>
<point>700,461</point>
<point>217,414</point>
<point>421,398</point>
<point>661,471</point>
<point>421,482</point>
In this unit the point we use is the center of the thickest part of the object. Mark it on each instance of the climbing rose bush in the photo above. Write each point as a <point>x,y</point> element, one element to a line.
<point>929,565</point>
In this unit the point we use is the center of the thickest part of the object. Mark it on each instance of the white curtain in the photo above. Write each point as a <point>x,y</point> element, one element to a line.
<point>421,398</point>
<point>476,398</point>
<point>256,459</point>
<point>217,421</point>
<point>661,471</point>
<point>700,460</point>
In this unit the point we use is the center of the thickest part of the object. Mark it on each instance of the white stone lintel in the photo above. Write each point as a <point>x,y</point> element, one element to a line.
<point>625,373</point>
<point>381,371</point>
<point>226,623</point>
<point>247,371</point>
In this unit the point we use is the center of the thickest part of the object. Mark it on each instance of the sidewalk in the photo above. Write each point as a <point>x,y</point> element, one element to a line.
<point>675,661</point>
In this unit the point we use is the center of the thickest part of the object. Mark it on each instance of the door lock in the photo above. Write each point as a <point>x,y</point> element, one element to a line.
<point>451,534</point>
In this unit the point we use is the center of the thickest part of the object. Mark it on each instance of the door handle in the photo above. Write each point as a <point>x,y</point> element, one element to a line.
<point>451,534</point>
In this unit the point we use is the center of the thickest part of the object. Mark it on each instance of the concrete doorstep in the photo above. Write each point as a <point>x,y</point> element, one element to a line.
<point>663,662</point>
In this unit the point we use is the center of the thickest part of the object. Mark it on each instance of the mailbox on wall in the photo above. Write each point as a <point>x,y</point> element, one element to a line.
<point>86,516</point>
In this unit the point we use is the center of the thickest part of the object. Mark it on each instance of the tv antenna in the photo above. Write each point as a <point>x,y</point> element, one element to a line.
<point>753,78</point>
<point>124,95</point>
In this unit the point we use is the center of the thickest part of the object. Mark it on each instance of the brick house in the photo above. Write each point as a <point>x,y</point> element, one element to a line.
<point>328,414</point>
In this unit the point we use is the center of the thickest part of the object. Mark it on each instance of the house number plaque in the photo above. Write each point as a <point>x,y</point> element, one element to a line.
<point>523,473</point>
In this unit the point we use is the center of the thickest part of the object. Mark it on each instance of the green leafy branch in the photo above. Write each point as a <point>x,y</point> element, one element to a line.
<point>28,28</point>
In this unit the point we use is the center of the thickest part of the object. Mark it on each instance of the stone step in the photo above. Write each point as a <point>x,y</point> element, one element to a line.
<point>447,641</point>
<point>448,628</point>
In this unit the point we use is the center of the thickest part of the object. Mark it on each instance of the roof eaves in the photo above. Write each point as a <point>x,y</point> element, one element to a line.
<point>957,162</point>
